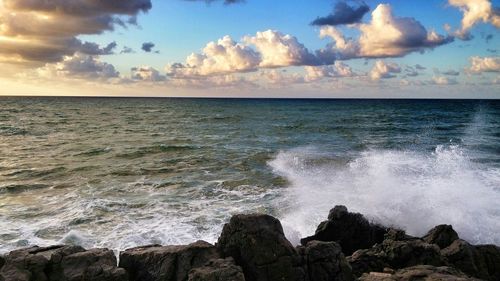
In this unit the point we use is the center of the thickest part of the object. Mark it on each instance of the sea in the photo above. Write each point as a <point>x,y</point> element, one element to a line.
<point>123,172</point>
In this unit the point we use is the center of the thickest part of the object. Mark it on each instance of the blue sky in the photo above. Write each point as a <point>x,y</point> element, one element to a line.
<point>179,28</point>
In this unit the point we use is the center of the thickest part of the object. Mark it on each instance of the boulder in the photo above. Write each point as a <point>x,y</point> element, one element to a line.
<point>94,264</point>
<point>258,245</point>
<point>165,263</point>
<point>481,261</point>
<point>324,261</point>
<point>351,230</point>
<point>441,235</point>
<point>217,270</point>
<point>395,254</point>
<point>61,263</point>
<point>419,272</point>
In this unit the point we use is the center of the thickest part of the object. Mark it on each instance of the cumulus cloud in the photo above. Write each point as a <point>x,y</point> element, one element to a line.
<point>268,49</point>
<point>383,70</point>
<point>221,57</point>
<point>277,49</point>
<point>343,14</point>
<point>475,11</point>
<point>37,32</point>
<point>148,47</point>
<point>147,73</point>
<point>341,49</point>
<point>384,36</point>
<point>127,50</point>
<point>442,80</point>
<point>484,64</point>
<point>339,69</point>
<point>79,66</point>
<point>390,36</point>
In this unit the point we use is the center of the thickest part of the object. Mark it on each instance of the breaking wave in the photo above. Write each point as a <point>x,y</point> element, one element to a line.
<point>413,190</point>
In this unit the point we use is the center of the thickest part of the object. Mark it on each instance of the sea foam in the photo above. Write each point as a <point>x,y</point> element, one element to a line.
<point>412,190</point>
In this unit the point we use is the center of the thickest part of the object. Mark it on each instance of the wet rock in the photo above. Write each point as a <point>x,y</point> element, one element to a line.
<point>351,230</point>
<point>397,235</point>
<point>396,255</point>
<point>441,235</point>
<point>324,261</point>
<point>217,270</point>
<point>419,272</point>
<point>61,263</point>
<point>165,263</point>
<point>481,261</point>
<point>258,245</point>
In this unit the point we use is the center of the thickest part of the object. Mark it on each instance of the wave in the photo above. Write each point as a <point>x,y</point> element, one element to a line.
<point>413,190</point>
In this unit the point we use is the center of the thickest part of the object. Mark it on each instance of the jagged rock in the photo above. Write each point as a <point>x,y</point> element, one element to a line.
<point>419,272</point>
<point>61,263</point>
<point>217,270</point>
<point>441,235</point>
<point>397,235</point>
<point>351,230</point>
<point>325,261</point>
<point>165,263</point>
<point>395,254</point>
<point>258,245</point>
<point>481,261</point>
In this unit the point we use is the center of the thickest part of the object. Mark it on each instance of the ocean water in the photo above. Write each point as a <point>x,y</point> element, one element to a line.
<point>119,173</point>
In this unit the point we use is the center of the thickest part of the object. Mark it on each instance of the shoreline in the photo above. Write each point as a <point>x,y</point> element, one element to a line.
<point>346,246</point>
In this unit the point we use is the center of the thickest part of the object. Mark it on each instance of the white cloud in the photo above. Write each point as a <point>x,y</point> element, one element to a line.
<point>442,80</point>
<point>221,57</point>
<point>383,70</point>
<point>278,50</point>
<point>340,49</point>
<point>484,64</point>
<point>339,69</point>
<point>475,11</point>
<point>390,36</point>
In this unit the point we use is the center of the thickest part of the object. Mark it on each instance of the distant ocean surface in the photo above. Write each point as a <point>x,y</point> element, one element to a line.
<point>119,173</point>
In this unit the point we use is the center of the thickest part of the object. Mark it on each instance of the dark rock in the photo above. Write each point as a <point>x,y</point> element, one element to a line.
<point>397,235</point>
<point>61,263</point>
<point>217,270</point>
<point>258,245</point>
<point>441,235</point>
<point>481,261</point>
<point>325,261</point>
<point>351,230</point>
<point>395,254</point>
<point>94,264</point>
<point>169,263</point>
<point>419,272</point>
<point>31,263</point>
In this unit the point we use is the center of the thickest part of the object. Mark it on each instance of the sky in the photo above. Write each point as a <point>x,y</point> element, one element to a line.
<point>251,48</point>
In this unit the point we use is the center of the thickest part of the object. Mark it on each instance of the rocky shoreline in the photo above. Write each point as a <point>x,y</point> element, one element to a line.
<point>253,248</point>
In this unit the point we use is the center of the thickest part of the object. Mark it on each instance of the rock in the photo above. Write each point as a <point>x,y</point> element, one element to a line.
<point>325,261</point>
<point>397,235</point>
<point>441,235</point>
<point>61,263</point>
<point>351,230</point>
<point>481,261</point>
<point>94,264</point>
<point>165,263</point>
<point>419,272</point>
<point>396,255</point>
<point>217,270</point>
<point>258,245</point>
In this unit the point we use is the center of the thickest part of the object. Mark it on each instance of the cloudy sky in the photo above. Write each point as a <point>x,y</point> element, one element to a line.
<point>251,48</point>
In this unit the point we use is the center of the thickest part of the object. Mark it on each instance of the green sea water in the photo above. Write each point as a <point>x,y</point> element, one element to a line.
<point>119,173</point>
